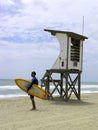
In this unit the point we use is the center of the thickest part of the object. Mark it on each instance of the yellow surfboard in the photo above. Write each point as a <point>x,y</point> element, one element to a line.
<point>35,90</point>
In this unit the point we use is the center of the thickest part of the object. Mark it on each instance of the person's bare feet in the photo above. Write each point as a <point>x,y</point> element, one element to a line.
<point>33,109</point>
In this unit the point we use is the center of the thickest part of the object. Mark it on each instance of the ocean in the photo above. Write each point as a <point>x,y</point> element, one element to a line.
<point>8,88</point>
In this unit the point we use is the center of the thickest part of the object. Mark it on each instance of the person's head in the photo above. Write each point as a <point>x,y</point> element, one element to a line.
<point>33,74</point>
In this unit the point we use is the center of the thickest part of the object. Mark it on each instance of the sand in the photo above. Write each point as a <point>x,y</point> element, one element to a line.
<point>15,114</point>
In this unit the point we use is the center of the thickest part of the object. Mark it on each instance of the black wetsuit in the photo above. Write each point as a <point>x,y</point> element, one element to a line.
<point>34,81</point>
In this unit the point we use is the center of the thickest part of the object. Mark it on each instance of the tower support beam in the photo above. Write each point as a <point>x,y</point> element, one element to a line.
<point>67,84</point>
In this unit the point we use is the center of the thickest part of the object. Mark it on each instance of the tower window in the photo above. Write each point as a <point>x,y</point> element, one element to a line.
<point>75,50</point>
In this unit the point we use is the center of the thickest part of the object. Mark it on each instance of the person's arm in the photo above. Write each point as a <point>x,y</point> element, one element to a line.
<point>30,85</point>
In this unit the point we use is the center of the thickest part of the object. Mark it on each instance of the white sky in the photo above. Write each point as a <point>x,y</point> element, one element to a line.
<point>24,46</point>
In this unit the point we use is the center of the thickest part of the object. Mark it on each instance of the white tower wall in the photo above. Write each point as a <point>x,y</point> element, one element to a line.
<point>61,60</point>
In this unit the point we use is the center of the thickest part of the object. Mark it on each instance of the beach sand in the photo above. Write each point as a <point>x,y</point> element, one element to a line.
<point>15,114</point>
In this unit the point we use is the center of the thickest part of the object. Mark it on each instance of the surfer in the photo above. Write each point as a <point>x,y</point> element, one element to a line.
<point>33,81</point>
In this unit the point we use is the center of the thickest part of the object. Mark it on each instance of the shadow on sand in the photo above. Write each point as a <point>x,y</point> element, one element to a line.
<point>71,102</point>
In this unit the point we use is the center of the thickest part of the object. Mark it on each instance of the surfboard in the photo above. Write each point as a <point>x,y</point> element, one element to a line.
<point>35,90</point>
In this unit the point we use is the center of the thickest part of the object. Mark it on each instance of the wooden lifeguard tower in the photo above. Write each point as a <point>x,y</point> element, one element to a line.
<point>68,66</point>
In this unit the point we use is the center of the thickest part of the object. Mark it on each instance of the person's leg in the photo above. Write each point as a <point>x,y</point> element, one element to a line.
<point>33,102</point>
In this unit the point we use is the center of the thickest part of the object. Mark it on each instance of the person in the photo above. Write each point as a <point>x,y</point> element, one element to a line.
<point>33,81</point>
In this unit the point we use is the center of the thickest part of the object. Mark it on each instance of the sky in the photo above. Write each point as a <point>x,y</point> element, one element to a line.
<point>25,46</point>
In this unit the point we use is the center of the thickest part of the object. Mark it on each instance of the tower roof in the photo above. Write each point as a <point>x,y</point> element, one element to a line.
<point>72,34</point>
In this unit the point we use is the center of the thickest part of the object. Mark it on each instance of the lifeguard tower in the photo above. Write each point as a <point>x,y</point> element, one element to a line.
<point>68,66</point>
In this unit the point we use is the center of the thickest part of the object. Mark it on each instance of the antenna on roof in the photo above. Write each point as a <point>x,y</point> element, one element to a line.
<point>83,25</point>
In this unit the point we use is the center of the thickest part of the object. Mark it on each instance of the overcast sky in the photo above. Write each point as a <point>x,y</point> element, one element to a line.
<point>25,46</point>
